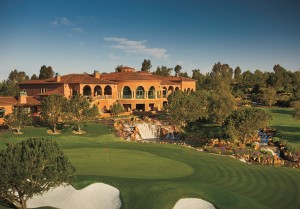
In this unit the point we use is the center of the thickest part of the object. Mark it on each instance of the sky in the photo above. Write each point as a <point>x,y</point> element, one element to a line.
<point>83,36</point>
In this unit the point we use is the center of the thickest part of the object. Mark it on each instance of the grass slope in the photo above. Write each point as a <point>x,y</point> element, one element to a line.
<point>221,180</point>
<point>283,120</point>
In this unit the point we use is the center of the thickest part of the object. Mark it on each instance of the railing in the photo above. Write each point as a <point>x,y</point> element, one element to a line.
<point>127,96</point>
<point>140,96</point>
<point>151,96</point>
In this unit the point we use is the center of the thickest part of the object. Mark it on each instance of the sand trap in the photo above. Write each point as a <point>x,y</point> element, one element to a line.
<point>94,196</point>
<point>193,203</point>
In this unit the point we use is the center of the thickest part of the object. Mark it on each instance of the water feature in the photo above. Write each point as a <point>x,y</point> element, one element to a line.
<point>148,131</point>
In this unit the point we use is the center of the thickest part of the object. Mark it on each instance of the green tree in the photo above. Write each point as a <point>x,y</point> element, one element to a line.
<point>119,68</point>
<point>10,86</point>
<point>200,78</point>
<point>177,69</point>
<point>221,104</point>
<point>34,77</point>
<point>238,74</point>
<point>54,108</point>
<point>117,108</point>
<point>269,96</point>
<point>80,111</point>
<point>163,71</point>
<point>31,167</point>
<point>296,106</point>
<point>18,119</point>
<point>46,72</point>
<point>146,65</point>
<point>184,108</point>
<point>242,124</point>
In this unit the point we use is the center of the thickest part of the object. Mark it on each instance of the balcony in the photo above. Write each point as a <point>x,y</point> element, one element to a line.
<point>151,96</point>
<point>127,96</point>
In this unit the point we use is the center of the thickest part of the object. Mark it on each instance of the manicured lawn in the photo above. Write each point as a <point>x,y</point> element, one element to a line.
<point>283,121</point>
<point>155,176</point>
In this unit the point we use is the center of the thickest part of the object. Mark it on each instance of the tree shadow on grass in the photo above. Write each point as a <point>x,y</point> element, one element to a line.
<point>289,133</point>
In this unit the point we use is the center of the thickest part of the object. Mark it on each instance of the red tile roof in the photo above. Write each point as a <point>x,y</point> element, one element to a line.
<point>8,101</point>
<point>32,101</point>
<point>122,76</point>
<point>111,78</point>
<point>71,78</point>
<point>12,101</point>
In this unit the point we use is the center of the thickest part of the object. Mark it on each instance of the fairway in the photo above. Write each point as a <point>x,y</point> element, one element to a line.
<point>126,163</point>
<point>156,176</point>
<point>283,121</point>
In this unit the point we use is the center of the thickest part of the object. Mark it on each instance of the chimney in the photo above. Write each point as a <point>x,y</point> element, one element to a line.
<point>22,97</point>
<point>96,74</point>
<point>57,77</point>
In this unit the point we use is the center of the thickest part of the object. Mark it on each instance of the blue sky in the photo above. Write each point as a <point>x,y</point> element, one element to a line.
<point>83,36</point>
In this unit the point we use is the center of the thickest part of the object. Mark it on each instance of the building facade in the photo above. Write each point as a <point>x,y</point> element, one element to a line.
<point>135,90</point>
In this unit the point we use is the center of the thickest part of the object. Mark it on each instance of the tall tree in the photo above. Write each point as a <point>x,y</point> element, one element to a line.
<point>18,119</point>
<point>54,108</point>
<point>31,167</point>
<point>184,108</point>
<point>163,71</point>
<point>34,77</point>
<point>269,96</point>
<point>177,69</point>
<point>146,65</point>
<point>118,68</point>
<point>10,86</point>
<point>221,104</point>
<point>238,74</point>
<point>199,77</point>
<point>242,124</point>
<point>46,72</point>
<point>80,111</point>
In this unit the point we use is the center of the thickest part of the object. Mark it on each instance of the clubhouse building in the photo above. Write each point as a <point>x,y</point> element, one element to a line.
<point>135,90</point>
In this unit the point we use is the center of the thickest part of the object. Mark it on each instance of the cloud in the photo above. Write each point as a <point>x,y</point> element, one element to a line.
<point>136,47</point>
<point>79,30</point>
<point>60,21</point>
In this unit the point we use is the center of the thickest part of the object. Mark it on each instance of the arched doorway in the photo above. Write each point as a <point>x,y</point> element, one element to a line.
<point>164,92</point>
<point>170,90</point>
<point>140,92</point>
<point>107,90</point>
<point>98,90</point>
<point>87,91</point>
<point>151,93</point>
<point>127,94</point>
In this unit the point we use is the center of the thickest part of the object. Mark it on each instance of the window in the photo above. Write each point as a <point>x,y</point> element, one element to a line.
<point>140,92</point>
<point>127,93</point>
<point>43,90</point>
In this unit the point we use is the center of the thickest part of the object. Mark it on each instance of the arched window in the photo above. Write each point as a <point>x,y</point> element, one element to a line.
<point>188,91</point>
<point>177,89</point>
<point>170,90</point>
<point>107,90</point>
<point>98,90</point>
<point>140,92</point>
<point>151,93</point>
<point>87,91</point>
<point>164,92</point>
<point>127,94</point>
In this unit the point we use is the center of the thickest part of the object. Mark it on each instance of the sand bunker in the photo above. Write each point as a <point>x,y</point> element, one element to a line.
<point>193,203</point>
<point>94,196</point>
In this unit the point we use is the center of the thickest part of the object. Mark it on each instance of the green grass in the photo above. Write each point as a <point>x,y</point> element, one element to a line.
<point>155,176</point>
<point>283,120</point>
<point>126,163</point>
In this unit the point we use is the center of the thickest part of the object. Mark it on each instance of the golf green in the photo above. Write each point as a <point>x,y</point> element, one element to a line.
<point>126,163</point>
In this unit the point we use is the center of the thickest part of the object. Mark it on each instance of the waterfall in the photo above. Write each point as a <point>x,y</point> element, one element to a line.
<point>148,131</point>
